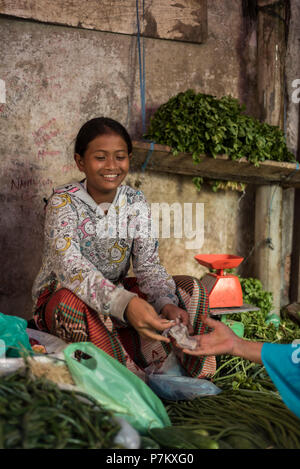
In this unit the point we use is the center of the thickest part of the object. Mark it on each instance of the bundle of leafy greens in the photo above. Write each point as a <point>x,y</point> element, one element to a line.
<point>199,123</point>
<point>238,373</point>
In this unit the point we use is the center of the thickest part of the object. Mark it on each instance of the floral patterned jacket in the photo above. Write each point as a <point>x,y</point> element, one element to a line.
<point>88,250</point>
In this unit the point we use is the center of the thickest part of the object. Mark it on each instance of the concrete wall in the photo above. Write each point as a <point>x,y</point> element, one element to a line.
<point>58,77</point>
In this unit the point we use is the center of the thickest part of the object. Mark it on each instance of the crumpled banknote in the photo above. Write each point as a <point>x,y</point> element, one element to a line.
<point>180,333</point>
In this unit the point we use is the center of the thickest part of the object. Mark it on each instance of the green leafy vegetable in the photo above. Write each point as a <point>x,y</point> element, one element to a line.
<point>200,124</point>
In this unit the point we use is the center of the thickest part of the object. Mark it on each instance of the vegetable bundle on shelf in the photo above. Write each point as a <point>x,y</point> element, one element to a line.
<point>199,123</point>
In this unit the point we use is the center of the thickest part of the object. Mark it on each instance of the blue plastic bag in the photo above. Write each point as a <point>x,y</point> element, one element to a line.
<point>171,382</point>
<point>115,387</point>
<point>180,388</point>
<point>14,339</point>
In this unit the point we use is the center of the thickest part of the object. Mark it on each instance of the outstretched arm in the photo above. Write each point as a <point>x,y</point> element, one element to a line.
<point>222,341</point>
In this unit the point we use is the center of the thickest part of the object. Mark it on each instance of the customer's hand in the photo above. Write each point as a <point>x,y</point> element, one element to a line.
<point>218,342</point>
<point>143,317</point>
<point>223,341</point>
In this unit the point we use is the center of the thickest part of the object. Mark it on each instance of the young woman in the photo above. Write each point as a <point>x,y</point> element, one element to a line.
<point>93,230</point>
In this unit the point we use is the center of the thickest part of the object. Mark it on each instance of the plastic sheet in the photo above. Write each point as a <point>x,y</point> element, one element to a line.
<point>127,436</point>
<point>13,336</point>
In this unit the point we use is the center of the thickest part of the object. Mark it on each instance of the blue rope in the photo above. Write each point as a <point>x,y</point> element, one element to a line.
<point>148,156</point>
<point>141,53</point>
<point>141,65</point>
<point>284,178</point>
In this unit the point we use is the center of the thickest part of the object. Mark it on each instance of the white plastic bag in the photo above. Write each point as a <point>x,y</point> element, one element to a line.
<point>52,344</point>
<point>171,382</point>
<point>127,435</point>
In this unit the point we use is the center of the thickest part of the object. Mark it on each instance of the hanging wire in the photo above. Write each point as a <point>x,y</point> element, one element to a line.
<point>141,52</point>
<point>142,71</point>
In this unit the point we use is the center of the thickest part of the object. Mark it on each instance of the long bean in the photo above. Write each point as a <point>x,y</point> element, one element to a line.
<point>35,413</point>
<point>258,417</point>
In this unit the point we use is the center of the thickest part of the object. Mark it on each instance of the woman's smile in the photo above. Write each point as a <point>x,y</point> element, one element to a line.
<point>105,164</point>
<point>110,177</point>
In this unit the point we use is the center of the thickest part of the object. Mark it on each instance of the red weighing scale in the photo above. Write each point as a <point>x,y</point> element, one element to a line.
<point>224,289</point>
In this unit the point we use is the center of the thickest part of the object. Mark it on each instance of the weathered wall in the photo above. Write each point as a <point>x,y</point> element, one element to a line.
<point>58,77</point>
<point>293,137</point>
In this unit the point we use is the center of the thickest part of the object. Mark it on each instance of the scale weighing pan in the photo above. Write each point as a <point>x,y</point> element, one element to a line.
<point>219,261</point>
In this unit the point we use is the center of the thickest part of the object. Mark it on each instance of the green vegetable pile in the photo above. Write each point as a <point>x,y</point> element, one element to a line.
<point>253,293</point>
<point>238,373</point>
<point>248,413</point>
<point>199,123</point>
<point>242,419</point>
<point>37,414</point>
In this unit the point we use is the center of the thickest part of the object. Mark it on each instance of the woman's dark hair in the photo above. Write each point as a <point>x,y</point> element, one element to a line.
<point>100,126</point>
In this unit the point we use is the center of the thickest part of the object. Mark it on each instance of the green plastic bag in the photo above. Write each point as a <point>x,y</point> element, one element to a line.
<point>273,319</point>
<point>13,336</point>
<point>115,387</point>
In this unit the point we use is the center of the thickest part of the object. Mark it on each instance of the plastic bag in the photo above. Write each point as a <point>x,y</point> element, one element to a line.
<point>170,382</point>
<point>115,387</point>
<point>171,366</point>
<point>13,336</point>
<point>53,345</point>
<point>273,319</point>
<point>127,436</point>
<point>180,388</point>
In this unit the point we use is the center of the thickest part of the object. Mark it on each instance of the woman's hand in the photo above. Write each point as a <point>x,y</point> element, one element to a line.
<point>143,317</point>
<point>172,312</point>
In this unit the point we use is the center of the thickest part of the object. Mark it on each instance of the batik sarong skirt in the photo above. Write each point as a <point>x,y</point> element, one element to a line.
<point>61,313</point>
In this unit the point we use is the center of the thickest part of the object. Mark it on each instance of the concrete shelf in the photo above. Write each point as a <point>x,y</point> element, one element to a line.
<point>222,167</point>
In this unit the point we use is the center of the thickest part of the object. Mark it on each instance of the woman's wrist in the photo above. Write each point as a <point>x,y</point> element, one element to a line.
<point>167,307</point>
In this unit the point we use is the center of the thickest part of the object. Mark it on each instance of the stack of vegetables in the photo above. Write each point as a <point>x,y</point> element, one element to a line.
<point>240,419</point>
<point>37,414</point>
<point>200,124</point>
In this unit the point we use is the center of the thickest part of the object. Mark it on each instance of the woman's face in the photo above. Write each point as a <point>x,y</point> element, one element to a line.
<point>105,164</point>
